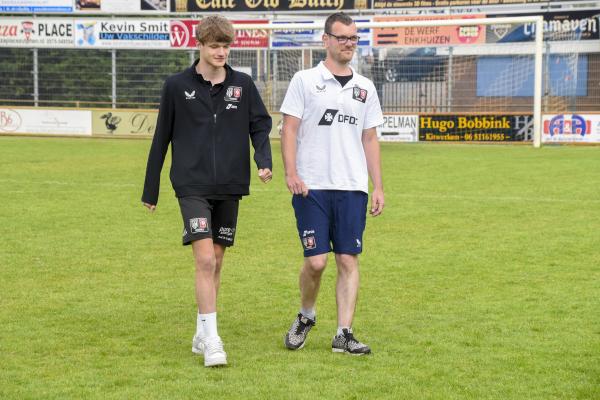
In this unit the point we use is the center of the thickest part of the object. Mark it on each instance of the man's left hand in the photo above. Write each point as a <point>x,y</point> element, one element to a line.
<point>377,203</point>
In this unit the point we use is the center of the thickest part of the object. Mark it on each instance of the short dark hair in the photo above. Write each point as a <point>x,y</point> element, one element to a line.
<point>337,17</point>
<point>215,28</point>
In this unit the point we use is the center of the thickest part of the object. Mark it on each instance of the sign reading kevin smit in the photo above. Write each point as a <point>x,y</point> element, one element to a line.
<point>151,33</point>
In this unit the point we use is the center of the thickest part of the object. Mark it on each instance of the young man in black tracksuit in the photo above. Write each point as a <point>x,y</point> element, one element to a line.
<point>209,113</point>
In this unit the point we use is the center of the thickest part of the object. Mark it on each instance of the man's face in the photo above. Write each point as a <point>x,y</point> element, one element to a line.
<point>214,53</point>
<point>341,42</point>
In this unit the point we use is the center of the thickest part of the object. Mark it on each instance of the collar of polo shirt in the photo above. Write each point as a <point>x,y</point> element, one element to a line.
<point>326,73</point>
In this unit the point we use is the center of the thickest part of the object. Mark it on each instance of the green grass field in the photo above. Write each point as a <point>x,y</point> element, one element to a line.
<point>481,280</point>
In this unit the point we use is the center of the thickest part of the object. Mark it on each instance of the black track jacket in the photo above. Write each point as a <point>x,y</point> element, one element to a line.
<point>209,136</point>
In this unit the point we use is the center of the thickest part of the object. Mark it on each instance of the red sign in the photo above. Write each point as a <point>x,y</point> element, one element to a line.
<point>183,35</point>
<point>429,36</point>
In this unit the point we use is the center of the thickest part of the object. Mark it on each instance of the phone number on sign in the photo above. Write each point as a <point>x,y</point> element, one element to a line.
<point>490,137</point>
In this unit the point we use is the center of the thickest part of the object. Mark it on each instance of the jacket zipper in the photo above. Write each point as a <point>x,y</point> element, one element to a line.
<point>215,148</point>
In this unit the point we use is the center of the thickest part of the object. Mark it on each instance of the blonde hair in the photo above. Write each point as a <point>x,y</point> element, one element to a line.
<point>215,29</point>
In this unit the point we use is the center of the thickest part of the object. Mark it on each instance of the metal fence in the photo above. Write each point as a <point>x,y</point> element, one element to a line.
<point>415,82</point>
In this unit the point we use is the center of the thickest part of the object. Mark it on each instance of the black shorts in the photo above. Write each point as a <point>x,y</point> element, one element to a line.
<point>208,218</point>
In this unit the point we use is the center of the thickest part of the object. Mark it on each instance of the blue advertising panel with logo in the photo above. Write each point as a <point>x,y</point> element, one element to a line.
<point>31,6</point>
<point>558,26</point>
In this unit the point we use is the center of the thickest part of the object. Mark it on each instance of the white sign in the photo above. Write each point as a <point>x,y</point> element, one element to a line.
<point>47,122</point>
<point>123,6</point>
<point>29,6</point>
<point>571,128</point>
<point>29,32</point>
<point>114,33</point>
<point>399,128</point>
<point>311,38</point>
<point>294,38</point>
<point>120,6</point>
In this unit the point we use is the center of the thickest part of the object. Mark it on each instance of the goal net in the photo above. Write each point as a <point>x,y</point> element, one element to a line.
<point>456,79</point>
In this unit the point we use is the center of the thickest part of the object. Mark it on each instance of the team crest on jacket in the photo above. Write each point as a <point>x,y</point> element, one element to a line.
<point>198,225</point>
<point>233,93</point>
<point>359,94</point>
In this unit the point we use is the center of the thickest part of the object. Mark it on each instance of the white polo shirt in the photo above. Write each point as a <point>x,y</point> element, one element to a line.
<point>330,153</point>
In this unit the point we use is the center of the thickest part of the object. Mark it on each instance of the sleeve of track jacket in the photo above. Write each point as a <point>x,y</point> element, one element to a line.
<point>260,128</point>
<point>160,144</point>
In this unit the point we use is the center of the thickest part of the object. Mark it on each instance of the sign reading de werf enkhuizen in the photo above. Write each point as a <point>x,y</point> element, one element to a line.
<point>272,5</point>
<point>475,128</point>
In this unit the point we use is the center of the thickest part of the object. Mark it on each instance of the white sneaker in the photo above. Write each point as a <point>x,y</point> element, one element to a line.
<point>213,352</point>
<point>198,345</point>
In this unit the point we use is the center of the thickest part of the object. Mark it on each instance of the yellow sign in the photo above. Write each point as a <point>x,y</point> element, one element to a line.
<point>123,123</point>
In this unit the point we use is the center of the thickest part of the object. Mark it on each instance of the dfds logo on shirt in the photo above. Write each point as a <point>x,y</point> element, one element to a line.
<point>330,115</point>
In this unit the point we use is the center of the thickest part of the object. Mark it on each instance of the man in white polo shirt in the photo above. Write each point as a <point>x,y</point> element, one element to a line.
<point>330,148</point>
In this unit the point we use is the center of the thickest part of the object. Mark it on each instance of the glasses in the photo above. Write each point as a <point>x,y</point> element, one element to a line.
<point>344,39</point>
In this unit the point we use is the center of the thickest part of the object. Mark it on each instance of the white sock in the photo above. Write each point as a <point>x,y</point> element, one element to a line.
<point>209,324</point>
<point>199,328</point>
<point>308,313</point>
<point>340,330</point>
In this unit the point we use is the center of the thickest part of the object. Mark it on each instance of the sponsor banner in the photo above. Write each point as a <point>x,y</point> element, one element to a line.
<point>31,6</point>
<point>122,6</point>
<point>571,128</point>
<point>25,32</point>
<point>399,128</point>
<point>115,33</point>
<point>454,3</point>
<point>307,38</point>
<point>474,128</point>
<point>183,34</point>
<point>47,122</point>
<point>558,26</point>
<point>311,38</point>
<point>430,36</point>
<point>126,123</point>
<point>266,5</point>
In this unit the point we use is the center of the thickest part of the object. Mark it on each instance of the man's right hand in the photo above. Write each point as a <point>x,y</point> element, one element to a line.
<point>150,207</point>
<point>296,186</point>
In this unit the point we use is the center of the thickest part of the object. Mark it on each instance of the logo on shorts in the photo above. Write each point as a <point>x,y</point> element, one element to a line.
<point>226,231</point>
<point>359,94</point>
<point>358,243</point>
<point>233,93</point>
<point>309,242</point>
<point>198,225</point>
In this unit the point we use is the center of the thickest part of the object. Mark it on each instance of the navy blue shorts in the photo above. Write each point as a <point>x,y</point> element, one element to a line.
<point>331,219</point>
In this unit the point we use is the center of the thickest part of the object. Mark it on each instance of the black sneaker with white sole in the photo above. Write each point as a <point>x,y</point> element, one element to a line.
<point>347,343</point>
<point>296,336</point>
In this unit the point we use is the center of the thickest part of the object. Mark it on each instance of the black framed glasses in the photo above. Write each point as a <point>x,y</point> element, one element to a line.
<point>344,39</point>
